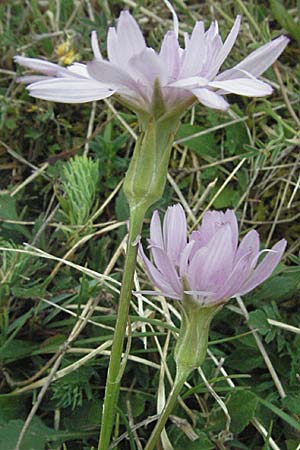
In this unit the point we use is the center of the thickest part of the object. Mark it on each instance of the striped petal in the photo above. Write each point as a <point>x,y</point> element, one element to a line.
<point>210,99</point>
<point>69,90</point>
<point>265,268</point>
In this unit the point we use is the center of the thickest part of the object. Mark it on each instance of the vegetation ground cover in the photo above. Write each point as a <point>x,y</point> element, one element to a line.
<point>63,232</point>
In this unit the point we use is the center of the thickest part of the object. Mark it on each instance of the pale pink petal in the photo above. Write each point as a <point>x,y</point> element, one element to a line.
<point>195,53</point>
<point>202,298</point>
<point>243,262</point>
<point>168,294</point>
<point>79,69</point>
<point>155,230</point>
<point>213,32</point>
<point>130,38</point>
<point>226,48</point>
<point>175,232</point>
<point>249,246</point>
<point>265,268</point>
<point>111,75</point>
<point>243,86</point>
<point>236,279</point>
<point>258,61</point>
<point>167,269</point>
<point>190,83</point>
<point>156,277</point>
<point>159,257</point>
<point>32,78</point>
<point>210,99</point>
<point>195,275</point>
<point>69,90</point>
<point>147,66</point>
<point>185,257</point>
<point>213,43</point>
<point>95,46</point>
<point>218,263</point>
<point>230,218</point>
<point>114,55</point>
<point>170,55</point>
<point>212,221</point>
<point>39,65</point>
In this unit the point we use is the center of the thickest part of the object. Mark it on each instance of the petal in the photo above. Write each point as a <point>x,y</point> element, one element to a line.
<point>195,53</point>
<point>226,48</point>
<point>212,221</point>
<point>230,217</point>
<point>114,55</point>
<point>155,230</point>
<point>69,90</point>
<point>39,65</point>
<point>130,38</point>
<point>170,55</point>
<point>111,75</point>
<point>235,280</point>
<point>195,278</point>
<point>265,268</point>
<point>79,69</point>
<point>185,256</point>
<point>213,32</point>
<point>258,61</point>
<point>218,263</point>
<point>148,67</point>
<point>249,246</point>
<point>210,99</point>
<point>32,78</point>
<point>213,43</point>
<point>95,46</point>
<point>202,297</point>
<point>243,86</point>
<point>155,276</point>
<point>175,232</point>
<point>169,294</point>
<point>243,262</point>
<point>168,270</point>
<point>190,83</point>
<point>211,265</point>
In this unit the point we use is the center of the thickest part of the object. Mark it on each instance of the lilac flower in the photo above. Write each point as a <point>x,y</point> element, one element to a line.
<point>211,267</point>
<point>184,74</point>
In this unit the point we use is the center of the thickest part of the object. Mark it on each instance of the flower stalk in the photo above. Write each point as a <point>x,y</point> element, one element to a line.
<point>144,185</point>
<point>178,384</point>
<point>114,370</point>
<point>189,354</point>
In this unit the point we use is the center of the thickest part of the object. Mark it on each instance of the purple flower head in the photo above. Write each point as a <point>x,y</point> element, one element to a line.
<point>211,266</point>
<point>132,69</point>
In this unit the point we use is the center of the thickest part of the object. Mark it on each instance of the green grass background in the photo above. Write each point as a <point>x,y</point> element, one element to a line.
<point>63,227</point>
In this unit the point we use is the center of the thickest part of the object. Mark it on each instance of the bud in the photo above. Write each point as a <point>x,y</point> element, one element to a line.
<point>147,173</point>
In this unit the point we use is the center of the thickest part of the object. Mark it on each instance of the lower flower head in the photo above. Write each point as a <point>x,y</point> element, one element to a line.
<point>210,266</point>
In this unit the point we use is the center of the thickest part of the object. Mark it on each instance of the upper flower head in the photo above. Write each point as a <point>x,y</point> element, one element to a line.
<point>132,68</point>
<point>211,267</point>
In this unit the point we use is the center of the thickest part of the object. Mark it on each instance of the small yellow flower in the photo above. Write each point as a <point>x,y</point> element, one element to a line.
<point>31,108</point>
<point>66,54</point>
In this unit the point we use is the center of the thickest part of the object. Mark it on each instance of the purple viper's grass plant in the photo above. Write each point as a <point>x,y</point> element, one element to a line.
<point>202,273</point>
<point>158,86</point>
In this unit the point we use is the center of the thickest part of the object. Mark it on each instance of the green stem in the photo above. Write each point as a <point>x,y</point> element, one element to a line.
<point>178,384</point>
<point>114,369</point>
